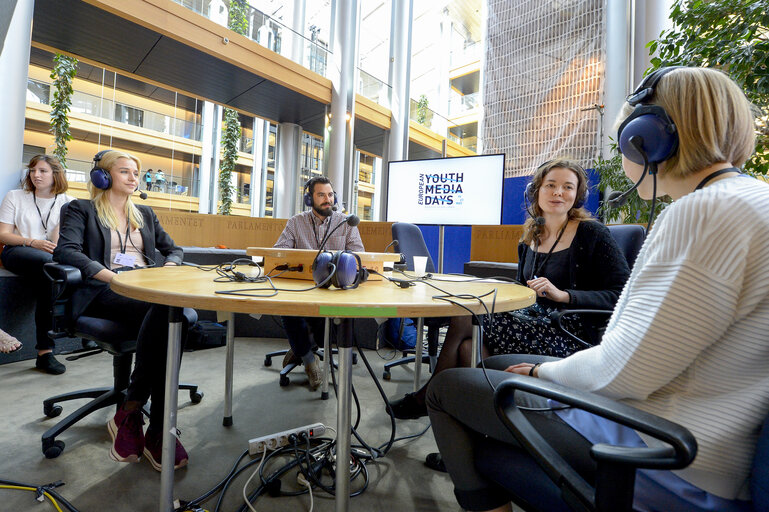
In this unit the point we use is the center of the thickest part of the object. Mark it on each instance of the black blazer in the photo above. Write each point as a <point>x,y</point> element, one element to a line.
<point>597,268</point>
<point>85,243</point>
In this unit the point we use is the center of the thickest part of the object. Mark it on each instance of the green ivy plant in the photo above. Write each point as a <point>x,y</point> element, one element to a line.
<point>63,73</point>
<point>635,210</point>
<point>424,115</point>
<point>238,22</point>
<point>732,35</point>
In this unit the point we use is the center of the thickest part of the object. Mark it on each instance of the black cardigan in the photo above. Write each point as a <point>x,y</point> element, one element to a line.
<point>85,243</point>
<point>597,268</point>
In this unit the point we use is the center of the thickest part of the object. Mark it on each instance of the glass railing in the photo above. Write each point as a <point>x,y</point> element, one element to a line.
<point>459,104</point>
<point>428,118</point>
<point>309,51</point>
<point>470,53</point>
<point>374,89</point>
<point>246,144</point>
<point>90,104</point>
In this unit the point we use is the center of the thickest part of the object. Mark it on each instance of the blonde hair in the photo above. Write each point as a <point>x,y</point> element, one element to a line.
<point>530,229</point>
<point>100,198</point>
<point>60,184</point>
<point>713,119</point>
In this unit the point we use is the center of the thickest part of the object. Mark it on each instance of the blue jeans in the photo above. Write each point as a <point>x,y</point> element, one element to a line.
<point>28,262</point>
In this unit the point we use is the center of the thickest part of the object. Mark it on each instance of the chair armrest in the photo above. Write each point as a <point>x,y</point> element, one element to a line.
<point>63,274</point>
<point>616,464</point>
<point>557,319</point>
<point>64,280</point>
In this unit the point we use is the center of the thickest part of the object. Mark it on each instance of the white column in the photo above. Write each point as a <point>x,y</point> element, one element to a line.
<point>343,81</point>
<point>257,208</point>
<point>15,41</point>
<point>618,74</point>
<point>285,188</point>
<point>206,157</point>
<point>397,139</point>
<point>297,25</point>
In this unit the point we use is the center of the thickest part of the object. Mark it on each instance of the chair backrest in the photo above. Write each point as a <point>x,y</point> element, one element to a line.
<point>410,243</point>
<point>629,238</point>
<point>759,475</point>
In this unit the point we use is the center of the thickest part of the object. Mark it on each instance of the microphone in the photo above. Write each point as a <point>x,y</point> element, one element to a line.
<point>617,199</point>
<point>351,220</point>
<point>143,195</point>
<point>390,245</point>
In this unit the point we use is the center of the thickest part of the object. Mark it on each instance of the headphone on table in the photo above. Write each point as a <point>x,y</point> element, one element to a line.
<point>100,177</point>
<point>308,192</point>
<point>342,269</point>
<point>530,195</point>
<point>654,131</point>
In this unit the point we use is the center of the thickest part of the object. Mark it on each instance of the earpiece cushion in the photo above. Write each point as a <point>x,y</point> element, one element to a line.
<point>658,134</point>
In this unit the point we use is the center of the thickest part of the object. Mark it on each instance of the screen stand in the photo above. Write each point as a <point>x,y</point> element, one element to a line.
<point>440,248</point>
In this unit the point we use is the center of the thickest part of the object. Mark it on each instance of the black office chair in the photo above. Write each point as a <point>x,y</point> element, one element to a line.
<point>408,240</point>
<point>551,484</point>
<point>630,239</point>
<point>109,337</point>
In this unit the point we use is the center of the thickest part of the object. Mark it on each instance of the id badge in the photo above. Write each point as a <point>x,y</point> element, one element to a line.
<point>125,260</point>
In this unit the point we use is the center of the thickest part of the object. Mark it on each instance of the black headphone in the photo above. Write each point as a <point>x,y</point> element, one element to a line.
<point>342,269</point>
<point>308,190</point>
<point>655,132</point>
<point>100,177</point>
<point>530,195</point>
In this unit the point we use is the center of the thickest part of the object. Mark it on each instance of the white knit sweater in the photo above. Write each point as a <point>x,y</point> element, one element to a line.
<point>689,337</point>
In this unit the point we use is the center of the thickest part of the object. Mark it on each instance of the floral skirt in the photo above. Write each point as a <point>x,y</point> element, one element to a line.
<point>532,331</point>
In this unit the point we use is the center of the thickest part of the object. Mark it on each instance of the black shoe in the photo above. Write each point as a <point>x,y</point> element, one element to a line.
<point>408,408</point>
<point>435,461</point>
<point>49,364</point>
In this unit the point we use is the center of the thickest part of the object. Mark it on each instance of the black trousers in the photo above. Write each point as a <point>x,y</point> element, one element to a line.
<point>148,323</point>
<point>28,262</point>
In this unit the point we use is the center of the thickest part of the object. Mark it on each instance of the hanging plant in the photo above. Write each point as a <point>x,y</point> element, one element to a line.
<point>230,139</point>
<point>238,17</point>
<point>63,73</point>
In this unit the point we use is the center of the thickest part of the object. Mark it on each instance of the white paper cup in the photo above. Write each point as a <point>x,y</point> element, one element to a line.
<point>420,263</point>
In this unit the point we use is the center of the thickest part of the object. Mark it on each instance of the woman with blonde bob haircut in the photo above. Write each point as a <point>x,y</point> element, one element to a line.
<point>29,228</point>
<point>111,224</point>
<point>687,340</point>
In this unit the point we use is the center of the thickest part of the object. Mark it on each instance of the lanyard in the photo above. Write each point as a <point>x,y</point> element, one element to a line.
<point>48,217</point>
<point>315,228</point>
<point>714,174</point>
<point>534,269</point>
<point>127,238</point>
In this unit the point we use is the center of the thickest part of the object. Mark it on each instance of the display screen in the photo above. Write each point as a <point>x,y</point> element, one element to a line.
<point>446,191</point>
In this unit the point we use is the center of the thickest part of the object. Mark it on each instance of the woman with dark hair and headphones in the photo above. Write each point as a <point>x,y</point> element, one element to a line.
<point>687,340</point>
<point>109,234</point>
<point>564,255</point>
<point>29,228</point>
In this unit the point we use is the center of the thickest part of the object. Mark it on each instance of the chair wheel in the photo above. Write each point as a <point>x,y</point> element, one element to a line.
<point>268,361</point>
<point>284,380</point>
<point>52,410</point>
<point>386,375</point>
<point>52,449</point>
<point>196,396</point>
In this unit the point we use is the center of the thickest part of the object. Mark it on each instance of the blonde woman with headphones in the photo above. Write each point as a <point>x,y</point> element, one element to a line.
<point>110,224</point>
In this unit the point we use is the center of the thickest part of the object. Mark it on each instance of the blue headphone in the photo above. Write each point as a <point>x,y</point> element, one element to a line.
<point>308,190</point>
<point>650,124</point>
<point>100,177</point>
<point>530,194</point>
<point>341,269</point>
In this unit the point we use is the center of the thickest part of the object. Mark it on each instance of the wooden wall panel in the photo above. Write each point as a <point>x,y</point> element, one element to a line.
<point>495,243</point>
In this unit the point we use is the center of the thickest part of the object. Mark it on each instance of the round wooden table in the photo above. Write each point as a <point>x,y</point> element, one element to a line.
<point>187,286</point>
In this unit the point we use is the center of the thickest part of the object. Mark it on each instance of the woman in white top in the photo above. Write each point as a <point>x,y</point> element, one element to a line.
<point>29,228</point>
<point>688,337</point>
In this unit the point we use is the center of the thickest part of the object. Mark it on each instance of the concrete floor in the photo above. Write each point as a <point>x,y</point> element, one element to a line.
<point>94,482</point>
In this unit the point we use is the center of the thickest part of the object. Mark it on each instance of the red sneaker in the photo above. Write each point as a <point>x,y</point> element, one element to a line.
<point>153,450</point>
<point>127,434</point>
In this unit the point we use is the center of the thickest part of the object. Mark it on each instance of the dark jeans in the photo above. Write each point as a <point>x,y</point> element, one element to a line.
<point>28,262</point>
<point>149,324</point>
<point>299,331</point>
<point>461,408</point>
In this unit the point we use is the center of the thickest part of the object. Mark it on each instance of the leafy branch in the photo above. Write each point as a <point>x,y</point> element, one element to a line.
<point>63,73</point>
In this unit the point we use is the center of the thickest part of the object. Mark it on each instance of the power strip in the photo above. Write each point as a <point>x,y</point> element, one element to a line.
<point>280,439</point>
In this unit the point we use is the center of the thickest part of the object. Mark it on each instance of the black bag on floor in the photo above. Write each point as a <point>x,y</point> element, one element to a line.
<point>206,334</point>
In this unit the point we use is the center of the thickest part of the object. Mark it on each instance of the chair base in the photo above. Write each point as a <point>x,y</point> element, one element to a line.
<point>426,359</point>
<point>284,380</point>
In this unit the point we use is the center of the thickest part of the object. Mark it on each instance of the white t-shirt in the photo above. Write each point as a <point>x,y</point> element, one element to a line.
<point>18,208</point>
